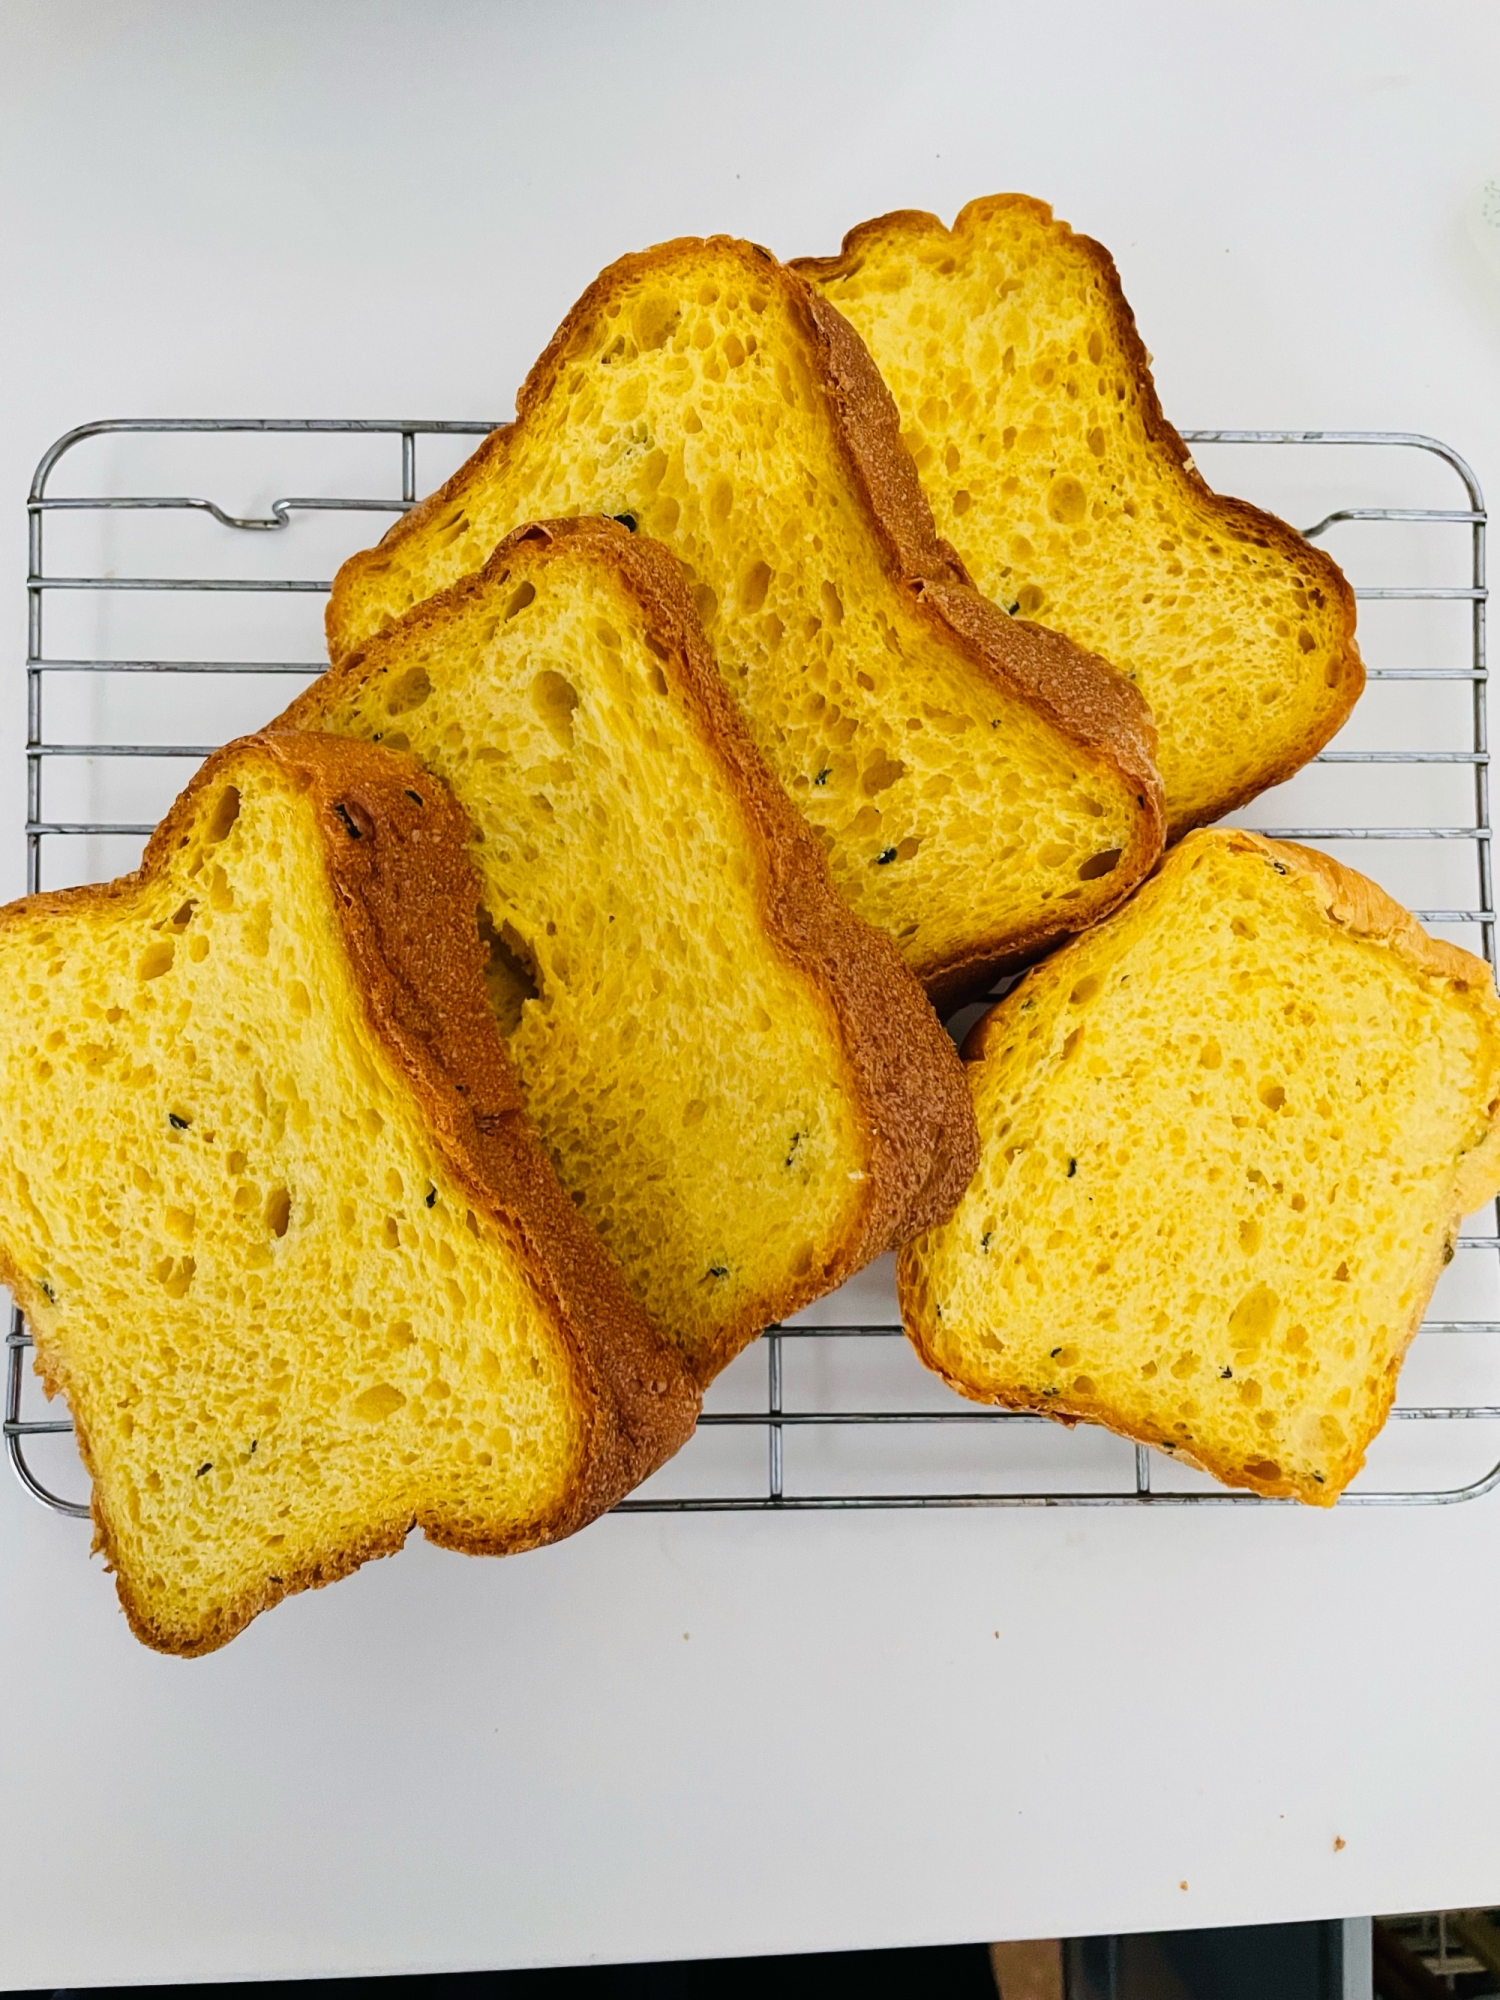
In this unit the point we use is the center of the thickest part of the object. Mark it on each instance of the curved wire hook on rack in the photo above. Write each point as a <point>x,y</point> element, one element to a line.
<point>279,517</point>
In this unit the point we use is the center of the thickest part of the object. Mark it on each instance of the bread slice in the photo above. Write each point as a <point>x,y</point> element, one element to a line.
<point>1228,1137</point>
<point>1027,401</point>
<point>983,787</point>
<point>269,1201</point>
<point>740,1084</point>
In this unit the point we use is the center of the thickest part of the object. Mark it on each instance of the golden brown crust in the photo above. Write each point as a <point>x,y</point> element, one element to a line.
<point>1081,695</point>
<point>1077,693</point>
<point>1362,907</point>
<point>410,927</point>
<point>1357,905</point>
<point>395,846</point>
<point>868,428</point>
<point>1237,517</point>
<point>914,1107</point>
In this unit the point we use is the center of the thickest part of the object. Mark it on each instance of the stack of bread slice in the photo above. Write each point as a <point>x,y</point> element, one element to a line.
<point>283,1233</point>
<point>740,1083</point>
<point>983,787</point>
<point>485,1052</point>
<point>1229,1134</point>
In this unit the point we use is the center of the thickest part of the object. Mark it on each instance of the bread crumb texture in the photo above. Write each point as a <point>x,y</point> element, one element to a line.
<point>1027,403</point>
<point>286,1328</point>
<point>692,394</point>
<point>689,1062</point>
<point>1227,1140</point>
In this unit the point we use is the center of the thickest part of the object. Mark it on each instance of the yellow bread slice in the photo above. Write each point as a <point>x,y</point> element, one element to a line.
<point>1228,1139</point>
<point>271,1205</point>
<point>739,1083</point>
<point>1027,401</point>
<point>983,787</point>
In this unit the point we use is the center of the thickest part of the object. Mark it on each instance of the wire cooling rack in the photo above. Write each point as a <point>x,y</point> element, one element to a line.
<point>134,578</point>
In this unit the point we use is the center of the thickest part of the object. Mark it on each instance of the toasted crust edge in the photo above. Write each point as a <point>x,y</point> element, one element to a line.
<point>1358,906</point>
<point>1224,507</point>
<point>407,925</point>
<point>1078,694</point>
<point>914,1105</point>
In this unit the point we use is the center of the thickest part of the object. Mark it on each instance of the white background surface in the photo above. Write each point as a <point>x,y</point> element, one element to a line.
<point>717,1735</point>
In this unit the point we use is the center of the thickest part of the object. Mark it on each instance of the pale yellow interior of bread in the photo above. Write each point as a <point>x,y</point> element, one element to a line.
<point>1027,422</point>
<point>279,1320</point>
<point>687,1078</point>
<point>952,813</point>
<point>1220,1147</point>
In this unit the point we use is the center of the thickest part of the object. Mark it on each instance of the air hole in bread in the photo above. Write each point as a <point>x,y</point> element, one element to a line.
<point>554,698</point>
<point>354,822</point>
<point>1067,502</point>
<point>1097,865</point>
<point>880,774</point>
<point>407,691</point>
<point>175,1275</point>
<point>753,586</point>
<point>510,971</point>
<point>656,319</point>
<point>379,1401</point>
<point>720,500</point>
<point>226,811</point>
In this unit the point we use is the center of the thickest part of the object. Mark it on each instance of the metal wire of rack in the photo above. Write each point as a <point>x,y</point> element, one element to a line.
<point>757,1397</point>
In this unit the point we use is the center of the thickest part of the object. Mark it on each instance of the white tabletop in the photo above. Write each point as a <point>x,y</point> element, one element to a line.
<point>685,1736</point>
